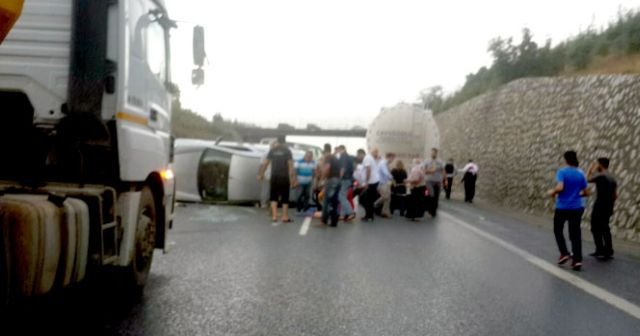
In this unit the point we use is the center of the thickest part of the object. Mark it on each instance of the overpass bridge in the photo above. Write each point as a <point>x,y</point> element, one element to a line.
<point>253,134</point>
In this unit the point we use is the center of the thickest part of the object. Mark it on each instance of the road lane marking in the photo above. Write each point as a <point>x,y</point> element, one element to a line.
<point>556,271</point>
<point>305,226</point>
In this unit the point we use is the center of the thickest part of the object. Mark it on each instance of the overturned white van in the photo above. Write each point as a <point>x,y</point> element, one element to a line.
<point>219,171</point>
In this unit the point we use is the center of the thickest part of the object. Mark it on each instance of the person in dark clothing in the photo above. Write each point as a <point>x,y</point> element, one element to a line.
<point>469,178</point>
<point>450,172</point>
<point>347,168</point>
<point>282,178</point>
<point>416,199</point>
<point>331,170</point>
<point>399,188</point>
<point>606,195</point>
<point>570,188</point>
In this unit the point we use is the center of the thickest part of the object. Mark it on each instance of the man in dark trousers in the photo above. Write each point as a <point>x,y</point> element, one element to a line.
<point>331,171</point>
<point>469,178</point>
<point>571,186</point>
<point>606,195</point>
<point>372,178</point>
<point>434,171</point>
<point>347,167</point>
<point>283,177</point>
<point>450,172</point>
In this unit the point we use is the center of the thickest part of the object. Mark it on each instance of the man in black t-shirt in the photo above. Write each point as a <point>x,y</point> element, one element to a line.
<point>606,195</point>
<point>283,177</point>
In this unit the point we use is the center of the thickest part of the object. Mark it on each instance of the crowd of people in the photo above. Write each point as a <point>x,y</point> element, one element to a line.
<point>383,186</point>
<point>337,183</point>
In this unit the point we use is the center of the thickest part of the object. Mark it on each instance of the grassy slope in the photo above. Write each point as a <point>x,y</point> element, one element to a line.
<point>614,64</point>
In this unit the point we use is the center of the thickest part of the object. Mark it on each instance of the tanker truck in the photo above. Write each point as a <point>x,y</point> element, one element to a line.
<point>86,186</point>
<point>408,130</point>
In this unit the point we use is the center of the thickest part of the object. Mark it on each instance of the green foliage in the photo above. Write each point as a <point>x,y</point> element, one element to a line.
<point>528,59</point>
<point>188,124</point>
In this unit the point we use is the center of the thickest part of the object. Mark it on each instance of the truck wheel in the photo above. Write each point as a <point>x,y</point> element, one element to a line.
<point>145,241</point>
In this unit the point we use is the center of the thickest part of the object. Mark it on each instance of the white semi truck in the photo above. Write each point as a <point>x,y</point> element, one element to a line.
<point>86,184</point>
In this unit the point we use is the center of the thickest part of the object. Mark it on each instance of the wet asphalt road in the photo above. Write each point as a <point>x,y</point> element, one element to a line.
<point>230,272</point>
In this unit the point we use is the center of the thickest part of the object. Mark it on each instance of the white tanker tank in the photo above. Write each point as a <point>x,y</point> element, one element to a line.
<point>405,129</point>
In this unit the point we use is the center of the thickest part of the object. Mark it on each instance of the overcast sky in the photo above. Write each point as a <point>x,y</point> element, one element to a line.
<point>337,62</point>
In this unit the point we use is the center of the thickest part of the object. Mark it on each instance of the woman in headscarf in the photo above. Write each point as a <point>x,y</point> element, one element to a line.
<point>416,200</point>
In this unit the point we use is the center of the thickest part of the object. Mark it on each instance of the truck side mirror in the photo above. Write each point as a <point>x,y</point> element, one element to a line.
<point>199,54</point>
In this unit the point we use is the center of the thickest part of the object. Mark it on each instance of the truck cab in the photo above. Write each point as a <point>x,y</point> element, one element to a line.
<point>86,92</point>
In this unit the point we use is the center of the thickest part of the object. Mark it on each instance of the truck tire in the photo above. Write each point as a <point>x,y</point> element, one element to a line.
<point>144,243</point>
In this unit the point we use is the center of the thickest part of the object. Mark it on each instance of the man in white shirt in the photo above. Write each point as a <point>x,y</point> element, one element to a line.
<point>372,173</point>
<point>470,176</point>
<point>360,177</point>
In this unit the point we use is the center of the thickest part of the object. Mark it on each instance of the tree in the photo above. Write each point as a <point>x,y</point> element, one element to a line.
<point>313,127</point>
<point>528,59</point>
<point>432,98</point>
<point>285,127</point>
<point>217,119</point>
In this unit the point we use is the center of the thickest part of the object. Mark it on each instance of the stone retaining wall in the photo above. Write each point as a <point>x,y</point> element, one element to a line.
<point>517,135</point>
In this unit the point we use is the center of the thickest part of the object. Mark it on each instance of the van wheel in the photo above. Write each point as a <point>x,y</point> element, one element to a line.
<point>145,241</point>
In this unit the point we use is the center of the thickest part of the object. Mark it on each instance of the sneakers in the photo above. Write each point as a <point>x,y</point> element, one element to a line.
<point>601,256</point>
<point>563,259</point>
<point>350,218</point>
<point>576,266</point>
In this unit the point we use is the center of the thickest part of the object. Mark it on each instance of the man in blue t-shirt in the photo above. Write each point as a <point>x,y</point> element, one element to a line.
<point>570,188</point>
<point>305,170</point>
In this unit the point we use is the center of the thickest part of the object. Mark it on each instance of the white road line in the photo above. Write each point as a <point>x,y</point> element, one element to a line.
<point>305,226</point>
<point>554,270</point>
